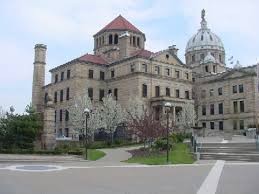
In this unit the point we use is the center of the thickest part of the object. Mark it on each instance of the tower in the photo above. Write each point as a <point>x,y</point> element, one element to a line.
<point>38,77</point>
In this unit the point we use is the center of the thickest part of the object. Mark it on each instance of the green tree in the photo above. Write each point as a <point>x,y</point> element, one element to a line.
<point>20,131</point>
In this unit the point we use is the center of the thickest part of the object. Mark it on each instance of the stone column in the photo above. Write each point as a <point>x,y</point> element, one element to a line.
<point>49,135</point>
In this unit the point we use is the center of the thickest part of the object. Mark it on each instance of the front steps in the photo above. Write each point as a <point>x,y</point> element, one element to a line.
<point>229,151</point>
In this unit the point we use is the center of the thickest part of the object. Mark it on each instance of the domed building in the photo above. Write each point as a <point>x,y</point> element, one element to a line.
<point>202,46</point>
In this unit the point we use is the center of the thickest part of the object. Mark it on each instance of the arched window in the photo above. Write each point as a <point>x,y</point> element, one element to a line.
<point>134,40</point>
<point>116,39</point>
<point>110,39</point>
<point>138,42</point>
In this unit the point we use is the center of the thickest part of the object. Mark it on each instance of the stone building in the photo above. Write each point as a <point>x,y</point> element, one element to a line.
<point>224,98</point>
<point>120,65</point>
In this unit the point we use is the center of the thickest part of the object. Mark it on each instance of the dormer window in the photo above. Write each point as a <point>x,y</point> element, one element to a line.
<point>211,38</point>
<point>201,37</point>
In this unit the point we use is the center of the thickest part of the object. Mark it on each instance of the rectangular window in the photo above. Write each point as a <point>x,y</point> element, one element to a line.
<point>55,97</point>
<point>234,89</point>
<point>220,108</point>
<point>46,98</point>
<point>221,125</point>
<point>203,94</point>
<point>177,73</point>
<point>67,94</point>
<point>234,124</point>
<point>220,91</point>
<point>187,76</point>
<point>211,92</point>
<point>90,93</point>
<point>101,94</point>
<point>66,132</point>
<point>157,70</point>
<point>144,68</point>
<point>91,74</point>
<point>177,93</point>
<point>112,74</point>
<point>242,106</point>
<point>212,109</point>
<point>241,124</point>
<point>116,93</point>
<point>62,76</point>
<point>144,90</point>
<point>157,90</point>
<point>68,74</point>
<point>167,92</point>
<point>206,68</point>
<point>167,71</point>
<point>67,116</point>
<point>235,106</point>
<point>109,91</point>
<point>132,68</point>
<point>55,117</point>
<point>212,125</point>
<point>56,78</point>
<point>241,88</point>
<point>101,75</point>
<point>204,111</point>
<point>204,125</point>
<point>61,95</point>
<point>60,115</point>
<point>187,95</point>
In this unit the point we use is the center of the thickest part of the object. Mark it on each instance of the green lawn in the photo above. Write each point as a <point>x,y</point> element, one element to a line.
<point>95,154</point>
<point>179,155</point>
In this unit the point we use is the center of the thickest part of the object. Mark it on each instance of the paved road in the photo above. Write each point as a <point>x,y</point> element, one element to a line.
<point>218,178</point>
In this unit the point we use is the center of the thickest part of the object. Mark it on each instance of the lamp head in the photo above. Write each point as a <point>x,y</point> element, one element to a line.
<point>86,111</point>
<point>168,105</point>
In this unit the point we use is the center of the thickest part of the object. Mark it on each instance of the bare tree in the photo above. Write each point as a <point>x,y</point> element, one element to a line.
<point>111,114</point>
<point>2,112</point>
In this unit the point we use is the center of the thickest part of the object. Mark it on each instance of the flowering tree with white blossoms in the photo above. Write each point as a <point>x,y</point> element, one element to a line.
<point>187,117</point>
<point>112,115</point>
<point>135,109</point>
<point>78,117</point>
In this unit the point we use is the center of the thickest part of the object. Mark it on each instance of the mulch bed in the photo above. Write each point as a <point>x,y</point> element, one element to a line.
<point>142,152</point>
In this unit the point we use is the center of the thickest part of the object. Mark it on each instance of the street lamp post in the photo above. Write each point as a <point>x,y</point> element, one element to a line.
<point>168,105</point>
<point>86,112</point>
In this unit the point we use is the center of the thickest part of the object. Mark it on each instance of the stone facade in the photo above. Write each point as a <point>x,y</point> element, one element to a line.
<point>120,65</point>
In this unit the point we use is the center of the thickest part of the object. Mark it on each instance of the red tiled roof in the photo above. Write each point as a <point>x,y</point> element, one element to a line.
<point>143,53</point>
<point>93,59</point>
<point>120,23</point>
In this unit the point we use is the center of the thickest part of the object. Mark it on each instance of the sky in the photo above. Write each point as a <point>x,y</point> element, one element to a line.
<point>67,28</point>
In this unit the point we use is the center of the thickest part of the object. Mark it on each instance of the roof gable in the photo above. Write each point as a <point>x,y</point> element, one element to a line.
<point>93,59</point>
<point>166,56</point>
<point>120,23</point>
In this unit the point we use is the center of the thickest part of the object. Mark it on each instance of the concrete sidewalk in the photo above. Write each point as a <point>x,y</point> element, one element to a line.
<point>217,139</point>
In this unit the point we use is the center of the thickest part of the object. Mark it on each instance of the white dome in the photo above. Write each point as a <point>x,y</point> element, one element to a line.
<point>204,39</point>
<point>209,59</point>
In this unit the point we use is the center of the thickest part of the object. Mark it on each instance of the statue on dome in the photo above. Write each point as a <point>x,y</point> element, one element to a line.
<point>203,14</point>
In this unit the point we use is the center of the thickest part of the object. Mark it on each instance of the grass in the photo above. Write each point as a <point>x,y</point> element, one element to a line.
<point>179,155</point>
<point>95,154</point>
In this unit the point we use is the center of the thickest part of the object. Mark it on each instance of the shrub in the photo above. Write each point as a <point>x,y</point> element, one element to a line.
<point>162,144</point>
